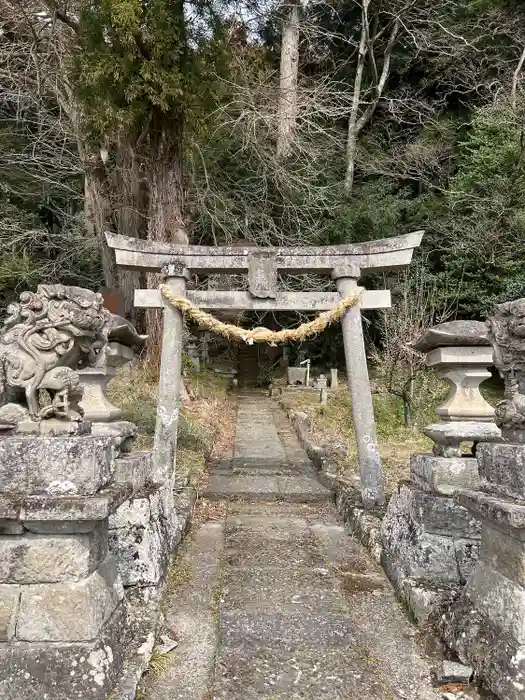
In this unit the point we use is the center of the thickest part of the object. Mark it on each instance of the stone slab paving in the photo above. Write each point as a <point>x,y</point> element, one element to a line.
<point>268,463</point>
<point>281,603</point>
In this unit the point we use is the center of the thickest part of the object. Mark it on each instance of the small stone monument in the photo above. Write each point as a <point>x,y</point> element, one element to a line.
<point>296,376</point>
<point>431,542</point>
<point>192,352</point>
<point>486,627</point>
<point>321,382</point>
<point>334,381</point>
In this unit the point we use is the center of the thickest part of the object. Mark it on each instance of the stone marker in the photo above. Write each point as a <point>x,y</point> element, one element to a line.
<point>334,381</point>
<point>321,382</point>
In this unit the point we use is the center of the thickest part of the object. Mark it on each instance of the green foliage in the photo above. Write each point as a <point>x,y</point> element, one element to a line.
<point>484,226</point>
<point>139,59</point>
<point>443,151</point>
<point>32,253</point>
<point>376,209</point>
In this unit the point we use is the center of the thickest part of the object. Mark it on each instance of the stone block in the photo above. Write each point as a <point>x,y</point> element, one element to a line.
<point>411,551</point>
<point>59,527</point>
<point>467,554</point>
<point>499,512</point>
<point>439,515</point>
<point>497,658</point>
<point>65,509</point>
<point>75,671</point>
<point>11,527</point>
<point>142,553</point>
<point>453,672</point>
<point>502,469</point>
<point>133,469</point>
<point>57,465</point>
<point>72,508</point>
<point>444,475</point>
<point>122,431</point>
<point>142,532</point>
<point>504,553</point>
<point>499,599</point>
<point>139,510</point>
<point>9,606</point>
<point>424,598</point>
<point>448,436</point>
<point>33,558</point>
<point>69,612</point>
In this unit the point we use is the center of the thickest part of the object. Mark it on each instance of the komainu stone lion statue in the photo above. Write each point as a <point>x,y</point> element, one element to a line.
<point>48,335</point>
<point>507,335</point>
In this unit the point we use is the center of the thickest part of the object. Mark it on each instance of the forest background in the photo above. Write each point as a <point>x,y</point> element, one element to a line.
<point>304,122</point>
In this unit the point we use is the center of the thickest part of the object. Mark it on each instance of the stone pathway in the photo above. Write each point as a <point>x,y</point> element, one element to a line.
<point>274,600</point>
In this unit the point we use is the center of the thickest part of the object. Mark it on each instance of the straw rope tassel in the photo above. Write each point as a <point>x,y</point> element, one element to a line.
<point>261,335</point>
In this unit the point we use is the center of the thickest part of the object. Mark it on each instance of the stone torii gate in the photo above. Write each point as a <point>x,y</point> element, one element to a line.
<point>344,263</point>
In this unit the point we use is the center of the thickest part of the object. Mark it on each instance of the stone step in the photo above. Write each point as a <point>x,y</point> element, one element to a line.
<point>267,487</point>
<point>262,466</point>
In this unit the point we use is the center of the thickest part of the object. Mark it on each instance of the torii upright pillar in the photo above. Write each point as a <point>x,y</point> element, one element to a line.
<point>368,458</point>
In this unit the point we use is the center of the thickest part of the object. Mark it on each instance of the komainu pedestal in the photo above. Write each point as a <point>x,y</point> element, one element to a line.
<point>431,542</point>
<point>63,619</point>
<point>486,625</point>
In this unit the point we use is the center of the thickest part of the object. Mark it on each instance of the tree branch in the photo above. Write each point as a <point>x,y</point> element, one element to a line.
<point>515,80</point>
<point>353,132</point>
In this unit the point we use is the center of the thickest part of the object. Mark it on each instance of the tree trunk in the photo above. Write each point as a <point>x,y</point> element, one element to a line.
<point>287,109</point>
<point>97,213</point>
<point>353,127</point>
<point>130,215</point>
<point>166,207</point>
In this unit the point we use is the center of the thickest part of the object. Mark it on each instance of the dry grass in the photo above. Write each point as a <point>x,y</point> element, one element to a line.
<point>160,662</point>
<point>332,426</point>
<point>206,423</point>
<point>206,511</point>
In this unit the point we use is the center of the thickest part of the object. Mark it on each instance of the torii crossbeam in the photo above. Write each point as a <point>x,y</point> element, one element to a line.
<point>345,263</point>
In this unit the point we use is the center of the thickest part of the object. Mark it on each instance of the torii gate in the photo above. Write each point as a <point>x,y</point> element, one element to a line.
<point>344,263</point>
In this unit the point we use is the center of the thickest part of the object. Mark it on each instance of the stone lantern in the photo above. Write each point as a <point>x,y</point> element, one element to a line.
<point>461,353</point>
<point>121,342</point>
<point>430,542</point>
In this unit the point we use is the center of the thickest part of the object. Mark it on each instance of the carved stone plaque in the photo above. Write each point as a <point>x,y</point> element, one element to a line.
<point>262,275</point>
